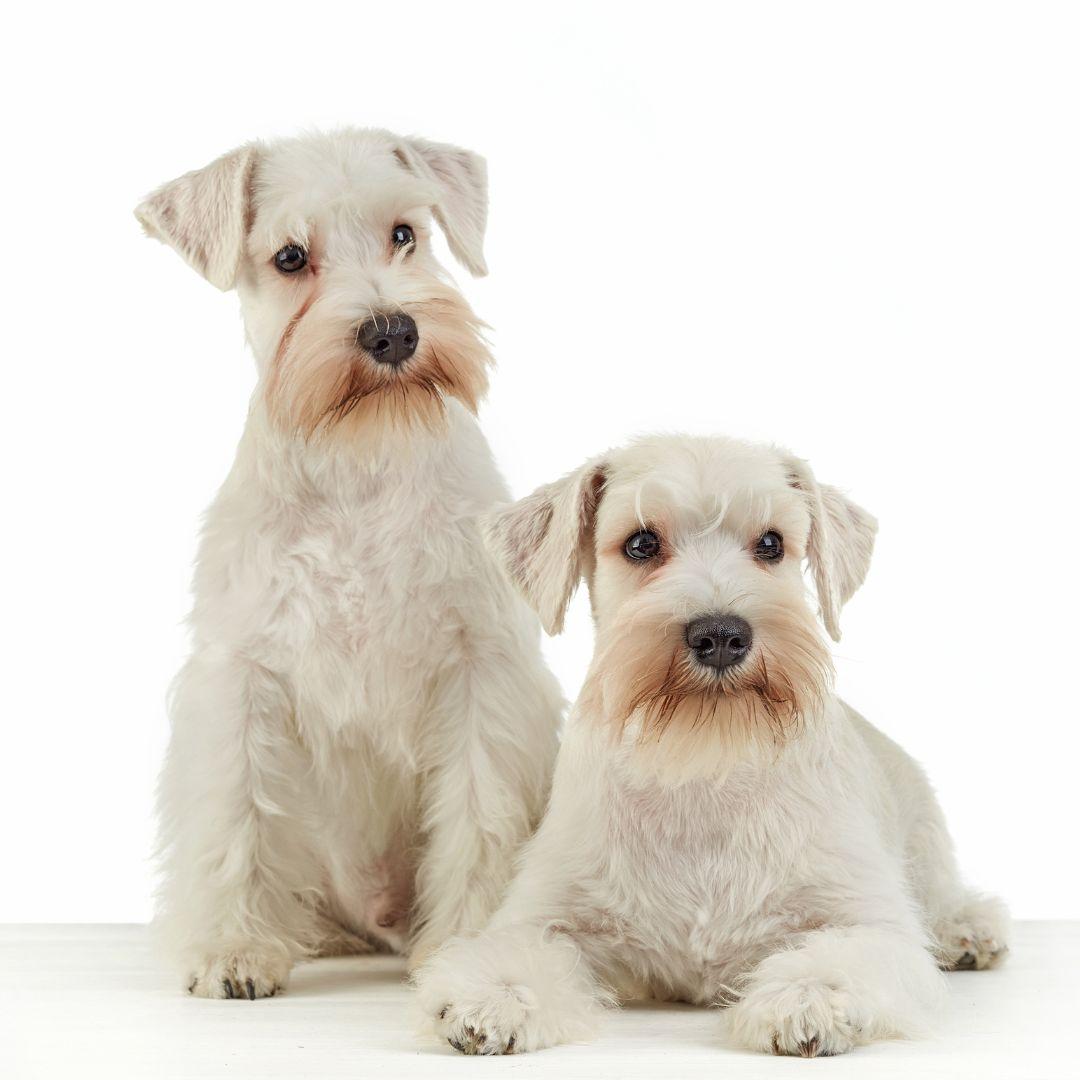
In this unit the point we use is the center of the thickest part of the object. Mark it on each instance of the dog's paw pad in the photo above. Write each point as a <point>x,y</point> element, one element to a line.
<point>828,1043</point>
<point>975,938</point>
<point>807,1019</point>
<point>476,1039</point>
<point>969,953</point>
<point>806,1048</point>
<point>239,977</point>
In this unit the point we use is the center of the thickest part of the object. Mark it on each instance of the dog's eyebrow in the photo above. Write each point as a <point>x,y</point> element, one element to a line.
<point>714,523</point>
<point>758,509</point>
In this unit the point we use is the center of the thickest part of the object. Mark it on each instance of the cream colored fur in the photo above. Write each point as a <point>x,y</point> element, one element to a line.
<point>364,732</point>
<point>740,839</point>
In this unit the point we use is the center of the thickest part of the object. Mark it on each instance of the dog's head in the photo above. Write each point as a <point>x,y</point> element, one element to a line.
<point>327,239</point>
<point>707,646</point>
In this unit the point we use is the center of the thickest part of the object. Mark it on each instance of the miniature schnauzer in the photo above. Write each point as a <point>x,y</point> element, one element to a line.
<point>722,829</point>
<point>363,735</point>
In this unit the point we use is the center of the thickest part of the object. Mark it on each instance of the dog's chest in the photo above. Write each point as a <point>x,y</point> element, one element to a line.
<point>352,591</point>
<point>712,888</point>
<point>374,612</point>
<point>353,575</point>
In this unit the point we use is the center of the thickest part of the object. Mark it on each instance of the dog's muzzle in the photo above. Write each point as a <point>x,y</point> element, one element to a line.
<point>389,339</point>
<point>719,641</point>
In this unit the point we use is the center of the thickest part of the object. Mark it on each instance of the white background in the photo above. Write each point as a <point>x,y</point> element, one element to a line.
<point>850,228</point>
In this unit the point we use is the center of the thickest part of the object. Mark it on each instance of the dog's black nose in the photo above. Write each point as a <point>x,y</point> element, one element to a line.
<point>720,641</point>
<point>389,338</point>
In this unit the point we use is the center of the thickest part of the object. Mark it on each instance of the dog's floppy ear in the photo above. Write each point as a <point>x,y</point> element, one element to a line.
<point>460,177</point>
<point>840,544</point>
<point>545,541</point>
<point>204,215</point>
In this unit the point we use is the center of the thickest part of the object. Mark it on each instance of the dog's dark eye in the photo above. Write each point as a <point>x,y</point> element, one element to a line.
<point>291,258</point>
<point>770,547</point>
<point>643,545</point>
<point>402,236</point>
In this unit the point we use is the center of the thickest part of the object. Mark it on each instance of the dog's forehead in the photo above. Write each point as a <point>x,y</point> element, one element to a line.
<point>699,482</point>
<point>337,179</point>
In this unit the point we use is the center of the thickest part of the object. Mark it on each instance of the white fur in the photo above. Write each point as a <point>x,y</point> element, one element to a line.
<point>802,876</point>
<point>364,732</point>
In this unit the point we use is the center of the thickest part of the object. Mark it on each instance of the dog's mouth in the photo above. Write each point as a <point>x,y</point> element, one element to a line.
<point>407,386</point>
<point>397,370</point>
<point>354,386</point>
<point>686,679</point>
<point>760,692</point>
<point>682,719</point>
<point>708,681</point>
<point>676,701</point>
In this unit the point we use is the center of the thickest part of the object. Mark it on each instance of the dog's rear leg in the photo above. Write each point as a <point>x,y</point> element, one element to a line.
<point>235,907</point>
<point>490,753</point>
<point>969,930</point>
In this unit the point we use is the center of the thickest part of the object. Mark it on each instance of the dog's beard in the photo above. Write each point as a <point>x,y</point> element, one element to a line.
<point>321,384</point>
<point>684,720</point>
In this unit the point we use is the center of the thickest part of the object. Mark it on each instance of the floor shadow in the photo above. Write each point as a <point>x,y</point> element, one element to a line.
<point>343,973</point>
<point>649,1005</point>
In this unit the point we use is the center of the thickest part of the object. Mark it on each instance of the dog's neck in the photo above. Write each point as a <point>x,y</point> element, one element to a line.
<point>393,448</point>
<point>454,459</point>
<point>699,756</point>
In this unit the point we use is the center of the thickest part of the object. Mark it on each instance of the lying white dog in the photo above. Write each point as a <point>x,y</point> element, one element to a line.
<point>722,829</point>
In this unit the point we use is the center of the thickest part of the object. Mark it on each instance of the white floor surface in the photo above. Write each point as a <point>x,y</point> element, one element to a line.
<point>78,1002</point>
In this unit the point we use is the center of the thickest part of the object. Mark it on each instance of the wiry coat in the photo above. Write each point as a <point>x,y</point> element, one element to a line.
<point>364,732</point>
<point>739,838</point>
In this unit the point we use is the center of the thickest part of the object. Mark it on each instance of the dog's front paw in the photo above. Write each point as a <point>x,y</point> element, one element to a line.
<point>493,1026</point>
<point>975,938</point>
<point>245,975</point>
<point>478,1015</point>
<point>807,1018</point>
<point>507,992</point>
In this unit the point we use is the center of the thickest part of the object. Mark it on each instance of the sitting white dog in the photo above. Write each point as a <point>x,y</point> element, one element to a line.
<point>722,828</point>
<point>363,735</point>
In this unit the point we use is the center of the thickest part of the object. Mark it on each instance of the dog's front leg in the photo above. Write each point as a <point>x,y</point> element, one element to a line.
<point>236,863</point>
<point>511,989</point>
<point>533,978</point>
<point>838,988</point>
<point>489,752</point>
